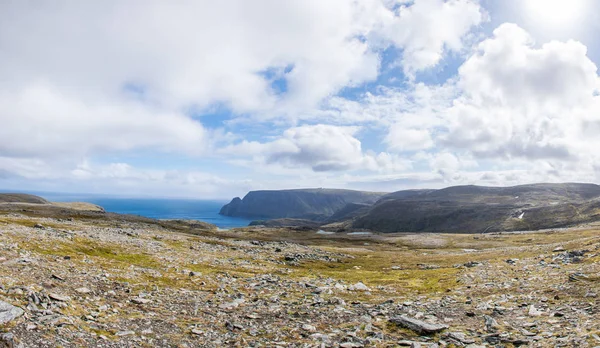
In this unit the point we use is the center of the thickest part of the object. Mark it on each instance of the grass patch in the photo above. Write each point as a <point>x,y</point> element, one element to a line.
<point>32,223</point>
<point>176,244</point>
<point>375,269</point>
<point>86,247</point>
<point>104,333</point>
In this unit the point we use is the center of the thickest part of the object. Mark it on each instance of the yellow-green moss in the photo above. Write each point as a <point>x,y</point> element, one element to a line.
<point>79,246</point>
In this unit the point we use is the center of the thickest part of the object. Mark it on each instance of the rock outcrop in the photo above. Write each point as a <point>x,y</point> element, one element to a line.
<point>9,312</point>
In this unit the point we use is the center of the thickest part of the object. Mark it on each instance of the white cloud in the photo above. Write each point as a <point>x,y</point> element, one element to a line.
<point>87,79</point>
<point>321,148</point>
<point>415,105</point>
<point>451,166</point>
<point>514,106</point>
<point>199,53</point>
<point>509,69</point>
<point>526,106</point>
<point>116,178</point>
<point>24,167</point>
<point>519,101</point>
<point>510,100</point>
<point>401,138</point>
<point>40,121</point>
<point>428,28</point>
<point>119,84</point>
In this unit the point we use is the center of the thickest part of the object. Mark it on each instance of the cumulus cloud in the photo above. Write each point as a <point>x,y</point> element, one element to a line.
<point>120,84</point>
<point>41,121</point>
<point>527,106</point>
<point>319,147</point>
<point>509,69</point>
<point>514,106</point>
<point>428,28</point>
<point>195,54</point>
<point>401,138</point>
<point>521,101</point>
<point>86,79</point>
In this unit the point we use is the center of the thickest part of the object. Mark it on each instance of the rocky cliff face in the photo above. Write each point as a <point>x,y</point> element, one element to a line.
<point>232,209</point>
<point>313,204</point>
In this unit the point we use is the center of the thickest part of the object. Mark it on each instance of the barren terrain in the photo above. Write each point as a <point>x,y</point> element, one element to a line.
<point>81,281</point>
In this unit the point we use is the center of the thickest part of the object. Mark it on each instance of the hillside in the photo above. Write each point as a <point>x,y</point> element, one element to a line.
<point>74,278</point>
<point>537,194</point>
<point>21,198</point>
<point>312,204</point>
<point>476,209</point>
<point>457,209</point>
<point>23,201</point>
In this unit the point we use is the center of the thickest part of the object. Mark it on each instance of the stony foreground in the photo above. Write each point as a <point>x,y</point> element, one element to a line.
<point>94,283</point>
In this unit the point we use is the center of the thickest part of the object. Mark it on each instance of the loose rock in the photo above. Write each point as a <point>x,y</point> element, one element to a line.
<point>418,325</point>
<point>9,312</point>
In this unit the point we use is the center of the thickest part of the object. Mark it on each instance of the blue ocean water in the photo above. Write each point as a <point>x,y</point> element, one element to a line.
<point>203,210</point>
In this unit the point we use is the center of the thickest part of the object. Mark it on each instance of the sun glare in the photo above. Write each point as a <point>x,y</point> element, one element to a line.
<point>556,13</point>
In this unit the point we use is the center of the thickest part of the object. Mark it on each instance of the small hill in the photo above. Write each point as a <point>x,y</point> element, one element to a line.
<point>311,204</point>
<point>21,198</point>
<point>79,206</point>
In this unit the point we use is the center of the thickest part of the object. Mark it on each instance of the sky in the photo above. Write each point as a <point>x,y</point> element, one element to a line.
<point>210,99</point>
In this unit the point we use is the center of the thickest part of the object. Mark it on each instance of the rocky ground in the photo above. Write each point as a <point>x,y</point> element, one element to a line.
<point>71,282</point>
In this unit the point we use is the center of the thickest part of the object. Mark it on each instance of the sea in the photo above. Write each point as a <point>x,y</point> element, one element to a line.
<point>187,209</point>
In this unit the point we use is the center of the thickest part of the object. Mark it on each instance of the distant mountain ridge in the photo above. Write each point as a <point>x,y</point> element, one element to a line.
<point>312,204</point>
<point>476,209</point>
<point>457,209</point>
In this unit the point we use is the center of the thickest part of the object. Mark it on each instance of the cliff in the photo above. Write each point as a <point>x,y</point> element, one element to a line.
<point>457,209</point>
<point>311,204</point>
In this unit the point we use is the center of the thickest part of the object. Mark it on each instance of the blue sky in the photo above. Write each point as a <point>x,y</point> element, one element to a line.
<point>205,99</point>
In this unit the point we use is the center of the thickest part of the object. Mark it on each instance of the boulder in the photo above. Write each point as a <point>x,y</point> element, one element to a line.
<point>9,312</point>
<point>417,325</point>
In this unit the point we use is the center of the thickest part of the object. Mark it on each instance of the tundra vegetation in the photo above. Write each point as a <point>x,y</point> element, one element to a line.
<point>75,277</point>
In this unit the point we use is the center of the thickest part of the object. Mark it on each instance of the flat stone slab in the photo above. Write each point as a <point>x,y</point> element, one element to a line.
<point>125,333</point>
<point>9,312</point>
<point>59,297</point>
<point>418,325</point>
<point>139,300</point>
